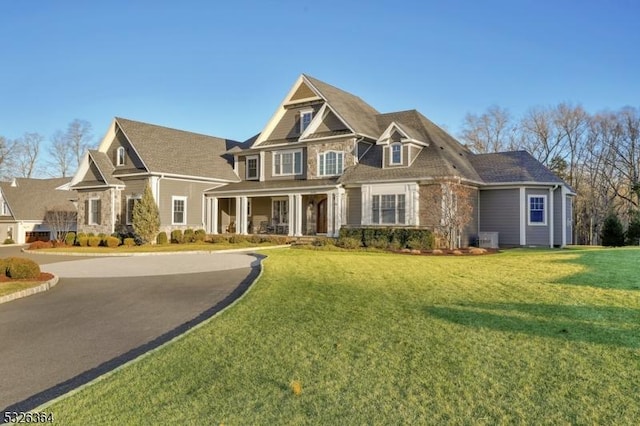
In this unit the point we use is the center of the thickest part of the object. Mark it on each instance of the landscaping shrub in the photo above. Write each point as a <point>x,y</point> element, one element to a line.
<point>200,235</point>
<point>20,268</point>
<point>91,234</point>
<point>612,231</point>
<point>4,263</point>
<point>219,238</point>
<point>237,238</point>
<point>176,236</point>
<point>82,240</point>
<point>390,237</point>
<point>323,241</point>
<point>8,241</point>
<point>633,232</point>
<point>70,238</point>
<point>94,241</point>
<point>255,239</point>
<point>348,242</point>
<point>103,238</point>
<point>162,238</point>
<point>112,241</point>
<point>129,242</point>
<point>189,236</point>
<point>36,245</point>
<point>80,235</point>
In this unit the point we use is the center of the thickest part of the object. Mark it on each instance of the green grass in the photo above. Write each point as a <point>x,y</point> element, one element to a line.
<point>9,287</point>
<point>155,248</point>
<point>537,337</point>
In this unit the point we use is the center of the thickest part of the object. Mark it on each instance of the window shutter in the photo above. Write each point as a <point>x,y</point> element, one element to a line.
<point>99,209</point>
<point>86,212</point>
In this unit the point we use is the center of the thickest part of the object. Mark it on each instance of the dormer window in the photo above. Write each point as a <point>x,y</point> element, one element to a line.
<point>120,156</point>
<point>305,119</point>
<point>396,154</point>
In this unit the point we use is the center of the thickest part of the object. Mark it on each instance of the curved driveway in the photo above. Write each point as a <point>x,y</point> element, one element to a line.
<point>105,312</point>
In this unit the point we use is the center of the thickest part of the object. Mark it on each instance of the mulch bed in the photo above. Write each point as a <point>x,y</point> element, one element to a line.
<point>44,276</point>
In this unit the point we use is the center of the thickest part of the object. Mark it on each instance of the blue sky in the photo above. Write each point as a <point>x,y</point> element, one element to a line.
<point>221,68</point>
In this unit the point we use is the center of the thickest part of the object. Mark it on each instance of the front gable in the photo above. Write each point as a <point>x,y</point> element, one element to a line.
<point>123,155</point>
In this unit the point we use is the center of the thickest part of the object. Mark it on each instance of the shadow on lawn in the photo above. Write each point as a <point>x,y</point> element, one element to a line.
<point>615,268</point>
<point>591,324</point>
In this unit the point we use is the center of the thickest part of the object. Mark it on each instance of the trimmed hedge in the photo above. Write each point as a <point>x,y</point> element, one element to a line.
<point>112,242</point>
<point>162,238</point>
<point>94,241</point>
<point>129,242</point>
<point>396,238</point>
<point>70,238</point>
<point>200,235</point>
<point>189,236</point>
<point>177,237</point>
<point>19,268</point>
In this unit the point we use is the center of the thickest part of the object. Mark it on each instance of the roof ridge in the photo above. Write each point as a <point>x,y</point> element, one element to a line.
<point>144,123</point>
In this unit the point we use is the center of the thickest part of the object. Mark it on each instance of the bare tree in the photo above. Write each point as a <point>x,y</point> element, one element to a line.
<point>79,136</point>
<point>27,149</point>
<point>60,219</point>
<point>448,210</point>
<point>490,132</point>
<point>60,154</point>
<point>6,158</point>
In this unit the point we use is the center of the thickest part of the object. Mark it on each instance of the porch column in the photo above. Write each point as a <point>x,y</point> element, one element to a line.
<point>291,215</point>
<point>298,222</point>
<point>243,222</point>
<point>213,222</point>
<point>341,211</point>
<point>330,213</point>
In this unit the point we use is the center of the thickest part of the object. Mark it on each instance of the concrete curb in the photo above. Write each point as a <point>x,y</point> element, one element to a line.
<point>108,374</point>
<point>163,253</point>
<point>30,291</point>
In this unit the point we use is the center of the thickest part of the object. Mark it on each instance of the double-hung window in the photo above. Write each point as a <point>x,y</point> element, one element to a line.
<point>93,215</point>
<point>132,200</point>
<point>537,210</point>
<point>388,209</point>
<point>179,210</point>
<point>396,154</point>
<point>330,163</point>
<point>305,119</point>
<point>287,163</point>
<point>252,168</point>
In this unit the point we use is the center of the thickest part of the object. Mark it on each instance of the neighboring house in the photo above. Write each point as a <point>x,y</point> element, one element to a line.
<point>179,166</point>
<point>325,160</point>
<point>24,202</point>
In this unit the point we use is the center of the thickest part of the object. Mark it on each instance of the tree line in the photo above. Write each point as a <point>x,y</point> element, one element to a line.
<point>597,154</point>
<point>20,157</point>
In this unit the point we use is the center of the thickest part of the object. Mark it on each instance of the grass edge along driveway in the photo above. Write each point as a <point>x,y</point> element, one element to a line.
<point>526,336</point>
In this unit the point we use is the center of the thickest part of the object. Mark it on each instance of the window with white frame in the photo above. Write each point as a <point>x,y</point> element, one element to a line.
<point>4,208</point>
<point>93,216</point>
<point>179,210</point>
<point>537,209</point>
<point>252,167</point>
<point>330,163</point>
<point>280,211</point>
<point>388,209</point>
<point>287,163</point>
<point>120,157</point>
<point>396,153</point>
<point>132,200</point>
<point>305,119</point>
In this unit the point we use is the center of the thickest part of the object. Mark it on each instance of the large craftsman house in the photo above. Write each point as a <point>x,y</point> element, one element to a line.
<point>325,160</point>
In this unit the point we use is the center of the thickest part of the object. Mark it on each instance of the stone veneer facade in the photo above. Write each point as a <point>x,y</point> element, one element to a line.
<point>107,197</point>
<point>348,146</point>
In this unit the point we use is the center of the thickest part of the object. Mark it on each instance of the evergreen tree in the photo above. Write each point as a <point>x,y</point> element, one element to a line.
<point>146,217</point>
<point>633,232</point>
<point>612,231</point>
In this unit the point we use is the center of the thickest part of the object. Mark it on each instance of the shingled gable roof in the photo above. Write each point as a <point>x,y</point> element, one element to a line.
<point>356,113</point>
<point>444,157</point>
<point>169,151</point>
<point>513,167</point>
<point>30,198</point>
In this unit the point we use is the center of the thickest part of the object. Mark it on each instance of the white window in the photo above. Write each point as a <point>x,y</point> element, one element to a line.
<point>537,209</point>
<point>120,156</point>
<point>388,209</point>
<point>305,119</point>
<point>132,200</point>
<point>330,163</point>
<point>280,211</point>
<point>287,163</point>
<point>252,168</point>
<point>93,215</point>
<point>396,153</point>
<point>179,210</point>
<point>4,209</point>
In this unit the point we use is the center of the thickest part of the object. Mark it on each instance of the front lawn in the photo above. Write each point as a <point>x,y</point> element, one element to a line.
<point>155,248</point>
<point>8,287</point>
<point>549,337</point>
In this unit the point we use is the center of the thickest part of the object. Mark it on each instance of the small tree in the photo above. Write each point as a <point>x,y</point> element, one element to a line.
<point>146,217</point>
<point>448,210</point>
<point>612,231</point>
<point>633,232</point>
<point>60,219</point>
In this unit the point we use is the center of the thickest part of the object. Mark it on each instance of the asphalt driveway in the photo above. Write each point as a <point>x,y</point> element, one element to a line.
<point>105,312</point>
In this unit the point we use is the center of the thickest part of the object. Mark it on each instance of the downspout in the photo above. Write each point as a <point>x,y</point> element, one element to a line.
<point>552,212</point>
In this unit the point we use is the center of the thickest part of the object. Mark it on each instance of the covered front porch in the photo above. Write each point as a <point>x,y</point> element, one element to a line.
<point>297,214</point>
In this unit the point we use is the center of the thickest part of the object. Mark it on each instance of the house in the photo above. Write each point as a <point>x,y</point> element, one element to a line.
<point>325,160</point>
<point>24,203</point>
<point>178,166</point>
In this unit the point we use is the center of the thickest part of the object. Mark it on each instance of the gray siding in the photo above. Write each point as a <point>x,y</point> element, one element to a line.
<point>133,188</point>
<point>354,206</point>
<point>131,159</point>
<point>387,157</point>
<point>289,125</point>
<point>194,193</point>
<point>538,235</point>
<point>331,123</point>
<point>470,233</point>
<point>500,212</point>
<point>268,167</point>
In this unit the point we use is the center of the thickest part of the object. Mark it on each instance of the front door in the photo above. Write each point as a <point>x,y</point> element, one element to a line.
<point>321,224</point>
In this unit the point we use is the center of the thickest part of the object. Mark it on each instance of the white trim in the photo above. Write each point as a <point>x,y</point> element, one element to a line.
<point>563,219</point>
<point>214,215</point>
<point>298,211</point>
<point>90,213</point>
<point>246,167</point>
<point>385,138</point>
<point>545,210</point>
<point>523,217</point>
<point>175,198</point>
<point>293,163</point>
<point>551,218</point>
<point>301,114</point>
<point>323,154</point>
<point>276,191</point>
<point>391,146</point>
<point>120,156</point>
<point>261,166</point>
